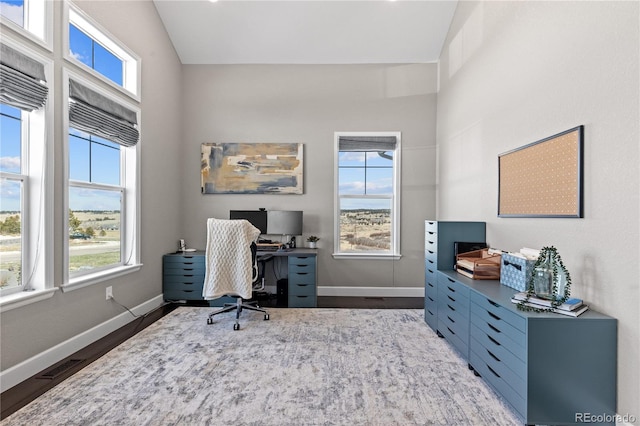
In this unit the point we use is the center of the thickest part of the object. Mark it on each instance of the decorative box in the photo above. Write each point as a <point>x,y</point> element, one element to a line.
<point>479,265</point>
<point>515,271</point>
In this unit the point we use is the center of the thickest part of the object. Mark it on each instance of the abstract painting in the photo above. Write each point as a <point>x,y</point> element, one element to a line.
<point>251,168</point>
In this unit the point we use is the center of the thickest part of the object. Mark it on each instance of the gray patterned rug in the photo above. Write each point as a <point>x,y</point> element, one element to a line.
<point>303,367</point>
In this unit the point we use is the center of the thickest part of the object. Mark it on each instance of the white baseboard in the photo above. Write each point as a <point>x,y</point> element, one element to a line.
<point>24,370</point>
<point>371,291</point>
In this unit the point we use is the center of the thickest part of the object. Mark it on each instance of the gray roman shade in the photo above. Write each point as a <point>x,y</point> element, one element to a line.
<point>366,143</point>
<point>98,115</point>
<point>22,80</point>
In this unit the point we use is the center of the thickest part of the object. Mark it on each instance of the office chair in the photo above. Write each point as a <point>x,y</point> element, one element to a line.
<point>231,266</point>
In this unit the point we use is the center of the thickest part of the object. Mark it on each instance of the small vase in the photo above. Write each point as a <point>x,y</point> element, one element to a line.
<point>313,244</point>
<point>543,278</point>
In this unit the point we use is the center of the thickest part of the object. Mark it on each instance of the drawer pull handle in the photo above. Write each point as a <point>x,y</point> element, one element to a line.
<point>188,275</point>
<point>431,252</point>
<point>494,328</point>
<point>493,356</point>
<point>494,316</point>
<point>430,285</point>
<point>451,307</point>
<point>451,298</point>
<point>430,299</point>
<point>430,242</point>
<point>187,283</point>
<point>430,271</point>
<point>430,313</point>
<point>493,371</point>
<point>188,291</point>
<point>493,303</point>
<point>303,257</point>
<point>188,269</point>
<point>451,331</point>
<point>302,297</point>
<point>451,319</point>
<point>301,273</point>
<point>302,285</point>
<point>494,340</point>
<point>453,281</point>
<point>430,261</point>
<point>451,289</point>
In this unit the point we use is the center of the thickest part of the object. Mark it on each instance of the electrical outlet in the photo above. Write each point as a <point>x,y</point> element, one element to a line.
<point>109,292</point>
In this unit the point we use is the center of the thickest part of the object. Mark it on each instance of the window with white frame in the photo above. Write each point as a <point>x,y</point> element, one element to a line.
<point>29,17</point>
<point>96,51</point>
<point>25,178</point>
<point>102,170</point>
<point>367,193</point>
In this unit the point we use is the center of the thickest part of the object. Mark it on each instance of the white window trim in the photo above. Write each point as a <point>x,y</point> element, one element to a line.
<point>395,218</point>
<point>131,61</point>
<point>37,236</point>
<point>38,23</point>
<point>130,214</point>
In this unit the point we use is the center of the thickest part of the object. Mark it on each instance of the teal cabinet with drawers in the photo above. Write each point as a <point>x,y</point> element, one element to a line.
<point>183,276</point>
<point>302,281</point>
<point>548,367</point>
<point>439,239</point>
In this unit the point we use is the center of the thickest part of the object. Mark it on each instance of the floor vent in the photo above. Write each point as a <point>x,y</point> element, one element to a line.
<point>62,368</point>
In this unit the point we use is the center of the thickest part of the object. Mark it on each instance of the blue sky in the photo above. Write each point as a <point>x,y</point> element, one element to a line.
<point>102,166</point>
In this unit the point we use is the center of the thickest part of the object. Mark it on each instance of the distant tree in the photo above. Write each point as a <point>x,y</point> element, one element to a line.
<point>74,222</point>
<point>11,226</point>
<point>90,231</point>
<point>103,233</point>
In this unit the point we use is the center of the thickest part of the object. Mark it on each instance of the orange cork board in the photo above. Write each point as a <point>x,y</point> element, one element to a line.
<point>543,179</point>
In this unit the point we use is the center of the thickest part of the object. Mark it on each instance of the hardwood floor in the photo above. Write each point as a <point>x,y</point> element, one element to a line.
<point>20,395</point>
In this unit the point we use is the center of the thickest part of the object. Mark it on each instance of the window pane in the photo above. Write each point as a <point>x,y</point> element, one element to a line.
<point>105,162</point>
<point>107,64</point>
<point>10,233</point>
<point>13,10</point>
<point>384,159</point>
<point>10,139</point>
<point>79,157</point>
<point>351,159</point>
<point>80,46</point>
<point>94,228</point>
<point>351,181</point>
<point>379,181</point>
<point>365,225</point>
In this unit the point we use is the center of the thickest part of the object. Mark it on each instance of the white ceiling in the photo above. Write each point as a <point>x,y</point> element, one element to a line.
<point>306,32</point>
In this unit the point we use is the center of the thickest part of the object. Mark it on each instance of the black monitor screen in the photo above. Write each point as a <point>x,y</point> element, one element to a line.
<point>258,218</point>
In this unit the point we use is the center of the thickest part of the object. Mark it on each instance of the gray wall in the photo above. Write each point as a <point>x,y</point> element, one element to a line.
<point>307,104</point>
<point>512,73</point>
<point>32,329</point>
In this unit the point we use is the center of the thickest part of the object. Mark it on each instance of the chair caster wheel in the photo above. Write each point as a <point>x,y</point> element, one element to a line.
<point>236,326</point>
<point>209,321</point>
<point>266,317</point>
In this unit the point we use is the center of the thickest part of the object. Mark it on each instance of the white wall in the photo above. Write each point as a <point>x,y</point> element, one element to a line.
<point>307,104</point>
<point>33,329</point>
<point>512,73</point>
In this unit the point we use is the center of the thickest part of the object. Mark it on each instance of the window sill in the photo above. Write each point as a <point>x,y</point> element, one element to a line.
<point>23,298</point>
<point>90,279</point>
<point>366,256</point>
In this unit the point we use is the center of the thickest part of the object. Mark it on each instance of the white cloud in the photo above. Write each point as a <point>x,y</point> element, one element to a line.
<point>10,164</point>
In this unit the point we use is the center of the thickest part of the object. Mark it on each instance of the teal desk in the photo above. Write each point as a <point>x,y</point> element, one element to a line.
<point>183,277</point>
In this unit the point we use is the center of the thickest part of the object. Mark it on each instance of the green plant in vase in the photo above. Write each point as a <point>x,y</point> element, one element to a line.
<point>550,280</point>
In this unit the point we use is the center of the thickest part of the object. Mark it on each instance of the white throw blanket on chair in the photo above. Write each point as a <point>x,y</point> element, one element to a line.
<point>229,267</point>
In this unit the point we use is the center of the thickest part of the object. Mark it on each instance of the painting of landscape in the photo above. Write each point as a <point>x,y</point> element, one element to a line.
<point>365,230</point>
<point>252,168</point>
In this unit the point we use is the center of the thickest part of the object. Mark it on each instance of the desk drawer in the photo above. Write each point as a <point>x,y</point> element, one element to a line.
<point>499,331</point>
<point>301,301</point>
<point>302,260</point>
<point>179,269</point>
<point>302,289</point>
<point>430,226</point>
<point>183,260</point>
<point>457,321</point>
<point>177,280</point>
<point>183,293</point>
<point>308,268</point>
<point>458,299</point>
<point>499,313</point>
<point>498,383</point>
<point>483,341</point>
<point>459,342</point>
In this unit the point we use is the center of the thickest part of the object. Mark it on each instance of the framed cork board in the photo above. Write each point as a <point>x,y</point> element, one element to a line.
<point>543,178</point>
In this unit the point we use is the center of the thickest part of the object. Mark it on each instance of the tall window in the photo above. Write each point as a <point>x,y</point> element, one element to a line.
<point>102,198</point>
<point>367,194</point>
<point>101,54</point>
<point>24,173</point>
<point>11,202</point>
<point>95,203</point>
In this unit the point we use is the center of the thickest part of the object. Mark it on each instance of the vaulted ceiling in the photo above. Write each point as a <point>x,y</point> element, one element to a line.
<point>306,32</point>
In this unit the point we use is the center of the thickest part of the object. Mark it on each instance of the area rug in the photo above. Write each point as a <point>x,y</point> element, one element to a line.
<point>302,367</point>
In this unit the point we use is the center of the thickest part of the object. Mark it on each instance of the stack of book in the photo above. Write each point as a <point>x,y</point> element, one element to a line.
<point>572,307</point>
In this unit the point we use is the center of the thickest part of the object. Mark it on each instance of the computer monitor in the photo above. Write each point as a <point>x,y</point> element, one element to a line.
<point>257,218</point>
<point>284,222</point>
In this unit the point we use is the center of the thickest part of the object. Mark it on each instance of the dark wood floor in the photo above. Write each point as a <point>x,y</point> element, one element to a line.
<point>20,395</point>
